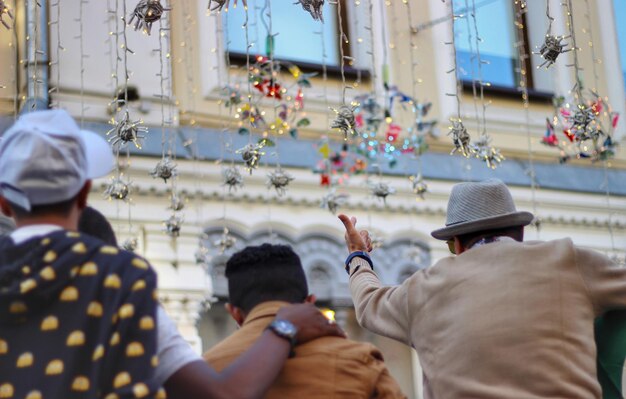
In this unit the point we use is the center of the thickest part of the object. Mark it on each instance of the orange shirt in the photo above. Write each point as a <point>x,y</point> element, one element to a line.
<point>329,367</point>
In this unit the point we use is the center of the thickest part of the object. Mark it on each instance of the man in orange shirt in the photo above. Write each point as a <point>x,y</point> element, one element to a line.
<point>263,279</point>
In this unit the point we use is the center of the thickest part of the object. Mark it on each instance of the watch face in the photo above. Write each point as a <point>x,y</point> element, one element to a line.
<point>285,328</point>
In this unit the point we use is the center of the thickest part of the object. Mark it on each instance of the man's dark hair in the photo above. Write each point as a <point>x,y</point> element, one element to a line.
<point>96,225</point>
<point>62,208</point>
<point>516,233</point>
<point>265,273</point>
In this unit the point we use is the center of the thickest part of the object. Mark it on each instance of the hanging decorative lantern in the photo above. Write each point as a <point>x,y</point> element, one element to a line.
<point>382,190</point>
<point>146,13</point>
<point>165,169</point>
<point>484,151</point>
<point>232,178</point>
<point>333,201</point>
<point>313,7</point>
<point>117,189</point>
<point>130,244</point>
<point>126,131</point>
<point>279,180</point>
<point>4,10</point>
<point>251,154</point>
<point>419,185</point>
<point>225,242</point>
<point>460,138</point>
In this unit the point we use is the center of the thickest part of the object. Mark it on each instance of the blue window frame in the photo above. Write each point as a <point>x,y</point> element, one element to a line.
<point>619,9</point>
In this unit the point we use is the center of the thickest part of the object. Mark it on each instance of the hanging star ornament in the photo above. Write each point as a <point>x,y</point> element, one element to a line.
<point>251,154</point>
<point>225,242</point>
<point>130,244</point>
<point>165,169</point>
<point>551,48</point>
<point>460,138</point>
<point>419,185</point>
<point>126,131</point>
<point>4,10</point>
<point>217,5</point>
<point>203,255</point>
<point>173,226</point>
<point>232,178</point>
<point>345,120</point>
<point>279,180</point>
<point>117,189</point>
<point>313,7</point>
<point>146,13</point>
<point>484,151</point>
<point>382,190</point>
<point>333,201</point>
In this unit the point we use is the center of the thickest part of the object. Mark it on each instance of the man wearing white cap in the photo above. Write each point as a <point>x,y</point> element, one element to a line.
<point>501,319</point>
<point>78,318</point>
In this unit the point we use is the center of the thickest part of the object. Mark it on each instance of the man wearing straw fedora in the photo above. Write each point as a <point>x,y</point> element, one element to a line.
<point>501,319</point>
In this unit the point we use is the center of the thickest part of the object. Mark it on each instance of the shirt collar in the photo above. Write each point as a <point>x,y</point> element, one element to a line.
<point>264,310</point>
<point>489,240</point>
<point>25,233</point>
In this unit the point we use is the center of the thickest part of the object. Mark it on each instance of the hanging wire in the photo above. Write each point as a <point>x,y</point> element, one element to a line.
<point>523,86</point>
<point>58,48</point>
<point>81,35</point>
<point>16,58</point>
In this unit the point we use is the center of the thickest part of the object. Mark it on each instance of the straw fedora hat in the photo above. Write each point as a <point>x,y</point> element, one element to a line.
<point>475,207</point>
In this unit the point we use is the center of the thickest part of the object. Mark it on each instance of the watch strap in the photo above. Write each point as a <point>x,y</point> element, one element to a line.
<point>358,259</point>
<point>291,339</point>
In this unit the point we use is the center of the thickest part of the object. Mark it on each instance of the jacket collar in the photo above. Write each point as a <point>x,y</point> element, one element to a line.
<point>264,310</point>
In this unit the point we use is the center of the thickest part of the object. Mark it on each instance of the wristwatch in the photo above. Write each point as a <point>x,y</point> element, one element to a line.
<point>285,329</point>
<point>358,254</point>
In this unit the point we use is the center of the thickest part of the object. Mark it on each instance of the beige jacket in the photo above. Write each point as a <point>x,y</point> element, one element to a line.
<point>325,368</point>
<point>503,320</point>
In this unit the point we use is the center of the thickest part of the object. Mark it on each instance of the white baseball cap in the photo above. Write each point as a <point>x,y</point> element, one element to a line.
<point>45,158</point>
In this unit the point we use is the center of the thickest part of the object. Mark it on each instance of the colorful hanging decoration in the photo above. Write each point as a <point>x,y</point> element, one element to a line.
<point>279,180</point>
<point>587,129</point>
<point>5,10</point>
<point>483,150</point>
<point>219,4</point>
<point>117,189</point>
<point>551,48</point>
<point>147,12</point>
<point>313,7</point>
<point>333,200</point>
<point>381,190</point>
<point>165,169</point>
<point>419,185</point>
<point>460,138</point>
<point>232,178</point>
<point>126,131</point>
<point>173,226</point>
<point>225,242</point>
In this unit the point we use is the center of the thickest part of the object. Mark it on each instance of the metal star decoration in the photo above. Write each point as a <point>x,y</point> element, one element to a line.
<point>219,4</point>
<point>232,178</point>
<point>225,242</point>
<point>382,190</point>
<point>419,185</point>
<point>584,126</point>
<point>130,244</point>
<point>203,255</point>
<point>333,201</point>
<point>147,12</point>
<point>460,138</point>
<point>484,151</point>
<point>279,179</point>
<point>117,189</point>
<point>251,154</point>
<point>173,226</point>
<point>4,10</point>
<point>126,131</point>
<point>313,7</point>
<point>165,169</point>
<point>551,48</point>
<point>345,120</point>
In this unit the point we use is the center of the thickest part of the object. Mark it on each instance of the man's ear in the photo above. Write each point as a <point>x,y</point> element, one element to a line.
<point>311,299</point>
<point>236,313</point>
<point>81,199</point>
<point>458,247</point>
<point>5,208</point>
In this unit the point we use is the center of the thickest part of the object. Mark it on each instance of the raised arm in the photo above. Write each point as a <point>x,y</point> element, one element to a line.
<point>382,310</point>
<point>252,374</point>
